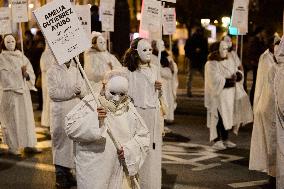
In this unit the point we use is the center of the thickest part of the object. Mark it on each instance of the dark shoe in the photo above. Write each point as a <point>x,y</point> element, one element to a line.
<point>62,182</point>
<point>71,179</point>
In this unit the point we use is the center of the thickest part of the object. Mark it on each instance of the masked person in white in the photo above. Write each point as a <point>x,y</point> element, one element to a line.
<point>145,90</point>
<point>220,81</point>
<point>98,163</point>
<point>278,92</point>
<point>243,110</point>
<point>46,61</point>
<point>168,72</point>
<point>16,111</point>
<point>98,61</point>
<point>65,87</point>
<point>263,140</point>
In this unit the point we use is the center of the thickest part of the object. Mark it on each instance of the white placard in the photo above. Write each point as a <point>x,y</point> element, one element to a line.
<point>62,29</point>
<point>151,15</point>
<point>5,21</point>
<point>19,10</point>
<point>240,15</point>
<point>107,14</point>
<point>169,21</point>
<point>84,16</point>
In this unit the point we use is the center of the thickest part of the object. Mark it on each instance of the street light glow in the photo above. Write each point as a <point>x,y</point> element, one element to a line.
<point>226,21</point>
<point>138,16</point>
<point>205,22</point>
<point>31,5</point>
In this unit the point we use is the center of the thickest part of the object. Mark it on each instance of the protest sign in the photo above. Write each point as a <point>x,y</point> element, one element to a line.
<point>240,15</point>
<point>169,21</point>
<point>63,31</point>
<point>5,21</point>
<point>84,16</point>
<point>19,10</point>
<point>151,15</point>
<point>107,14</point>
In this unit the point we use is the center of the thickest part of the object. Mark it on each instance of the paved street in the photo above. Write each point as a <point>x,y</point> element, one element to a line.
<point>186,164</point>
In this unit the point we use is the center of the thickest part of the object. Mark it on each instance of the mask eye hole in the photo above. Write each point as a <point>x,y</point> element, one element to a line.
<point>122,94</point>
<point>144,50</point>
<point>112,93</point>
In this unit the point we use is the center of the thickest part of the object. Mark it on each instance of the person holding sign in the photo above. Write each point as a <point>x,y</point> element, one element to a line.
<point>98,61</point>
<point>168,71</point>
<point>145,90</point>
<point>98,163</point>
<point>16,111</point>
<point>221,76</point>
<point>65,88</point>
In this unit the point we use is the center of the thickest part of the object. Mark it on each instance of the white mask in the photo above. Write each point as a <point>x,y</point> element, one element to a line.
<point>228,40</point>
<point>10,43</point>
<point>101,44</point>
<point>223,49</point>
<point>116,89</point>
<point>144,50</point>
<point>161,45</point>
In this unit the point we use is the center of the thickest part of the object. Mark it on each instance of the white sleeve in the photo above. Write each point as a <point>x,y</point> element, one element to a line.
<point>213,78</point>
<point>56,89</point>
<point>136,150</point>
<point>82,124</point>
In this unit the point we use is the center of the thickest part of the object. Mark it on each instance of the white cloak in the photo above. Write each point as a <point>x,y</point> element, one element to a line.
<point>97,163</point>
<point>145,99</point>
<point>169,88</point>
<point>46,61</point>
<point>279,103</point>
<point>217,98</point>
<point>16,110</point>
<point>61,82</point>
<point>96,64</point>
<point>263,140</point>
<point>243,110</point>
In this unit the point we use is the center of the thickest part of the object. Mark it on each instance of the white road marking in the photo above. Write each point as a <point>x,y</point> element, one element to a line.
<point>194,154</point>
<point>248,184</point>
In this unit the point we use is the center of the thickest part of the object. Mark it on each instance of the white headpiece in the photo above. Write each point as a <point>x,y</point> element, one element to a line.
<point>116,84</point>
<point>96,34</point>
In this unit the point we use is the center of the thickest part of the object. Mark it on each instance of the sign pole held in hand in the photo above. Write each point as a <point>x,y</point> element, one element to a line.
<point>19,15</point>
<point>107,8</point>
<point>65,36</point>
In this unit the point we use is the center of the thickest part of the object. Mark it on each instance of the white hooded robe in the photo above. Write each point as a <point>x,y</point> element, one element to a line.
<point>61,82</point>
<point>16,110</point>
<point>263,140</point>
<point>279,103</point>
<point>217,98</point>
<point>96,64</point>
<point>145,99</point>
<point>97,163</point>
